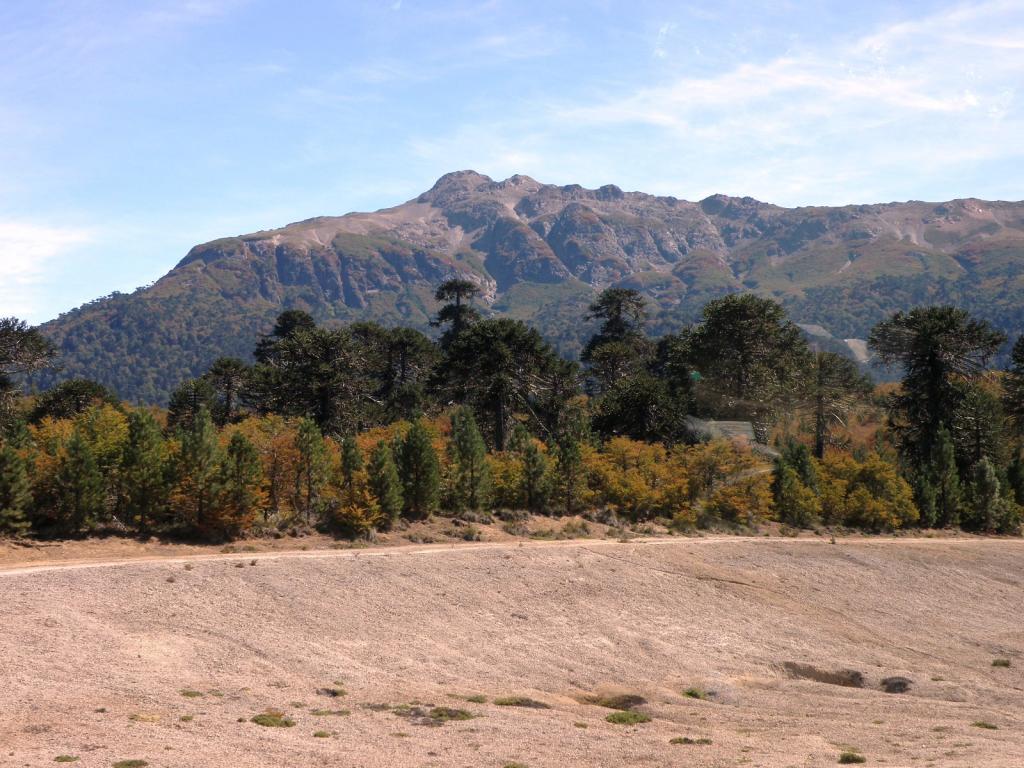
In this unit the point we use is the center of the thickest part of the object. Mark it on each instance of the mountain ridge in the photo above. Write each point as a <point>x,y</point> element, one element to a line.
<point>540,252</point>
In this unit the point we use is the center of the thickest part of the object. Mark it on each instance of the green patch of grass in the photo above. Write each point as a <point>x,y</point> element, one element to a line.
<point>321,735</point>
<point>688,740</point>
<point>627,718</point>
<point>273,718</point>
<point>697,693</point>
<point>1000,662</point>
<point>476,699</point>
<point>188,693</point>
<point>520,701</point>
<point>847,758</point>
<point>187,718</point>
<point>622,701</point>
<point>130,764</point>
<point>444,714</point>
<point>330,712</point>
<point>66,759</point>
<point>986,725</point>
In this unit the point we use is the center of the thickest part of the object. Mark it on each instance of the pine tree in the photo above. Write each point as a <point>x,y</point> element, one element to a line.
<point>311,470</point>
<point>945,482</point>
<point>470,480</point>
<point>986,499</point>
<point>197,474</point>
<point>351,461</point>
<point>535,485</point>
<point>1015,477</point>
<point>386,485</point>
<point>569,473</point>
<point>420,473</point>
<point>241,476</point>
<point>144,472</point>
<point>78,487</point>
<point>15,492</point>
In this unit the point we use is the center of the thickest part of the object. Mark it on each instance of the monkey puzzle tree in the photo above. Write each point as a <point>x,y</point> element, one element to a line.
<point>458,314</point>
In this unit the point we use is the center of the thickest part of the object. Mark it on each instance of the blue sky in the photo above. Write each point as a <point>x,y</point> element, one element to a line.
<point>131,130</point>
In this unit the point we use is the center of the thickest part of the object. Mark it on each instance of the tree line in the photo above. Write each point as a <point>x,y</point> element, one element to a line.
<point>355,428</point>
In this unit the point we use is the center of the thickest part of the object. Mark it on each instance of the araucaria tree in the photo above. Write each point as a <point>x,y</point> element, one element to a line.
<point>457,313</point>
<point>749,356</point>
<point>311,469</point>
<point>942,352</point>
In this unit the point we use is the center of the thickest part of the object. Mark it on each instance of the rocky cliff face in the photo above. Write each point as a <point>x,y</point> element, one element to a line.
<point>540,251</point>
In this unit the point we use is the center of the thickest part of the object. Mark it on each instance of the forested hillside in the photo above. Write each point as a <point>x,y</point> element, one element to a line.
<point>540,253</point>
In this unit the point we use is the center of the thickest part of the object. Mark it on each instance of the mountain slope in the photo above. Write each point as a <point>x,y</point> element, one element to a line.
<point>540,252</point>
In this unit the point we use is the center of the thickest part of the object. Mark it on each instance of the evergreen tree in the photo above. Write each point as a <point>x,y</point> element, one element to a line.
<point>311,471</point>
<point>23,350</point>
<point>944,481</point>
<point>15,492</point>
<point>144,472</point>
<point>569,475</point>
<point>1015,477</point>
<point>70,398</point>
<point>750,357</point>
<point>227,378</point>
<point>986,510</point>
<point>351,461</point>
<point>622,313</point>
<point>834,386</point>
<point>1013,387</point>
<point>187,401</point>
<point>241,476</point>
<point>385,484</point>
<point>418,467</point>
<point>78,487</point>
<point>197,487</point>
<point>458,313</point>
<point>470,481</point>
<point>535,485</point>
<point>941,351</point>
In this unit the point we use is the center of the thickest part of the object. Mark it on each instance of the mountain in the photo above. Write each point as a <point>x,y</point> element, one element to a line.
<point>540,252</point>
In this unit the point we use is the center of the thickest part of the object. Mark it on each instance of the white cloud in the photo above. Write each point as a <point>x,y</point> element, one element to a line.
<point>28,254</point>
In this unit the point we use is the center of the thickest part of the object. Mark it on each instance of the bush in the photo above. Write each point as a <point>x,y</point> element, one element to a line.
<point>1000,662</point>
<point>851,757</point>
<point>520,701</point>
<point>273,718</point>
<point>627,718</point>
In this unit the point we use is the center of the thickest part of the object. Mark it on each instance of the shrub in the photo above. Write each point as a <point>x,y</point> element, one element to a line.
<point>188,693</point>
<point>697,693</point>
<point>273,718</point>
<point>1000,662</point>
<point>851,757</point>
<point>627,718</point>
<point>321,734</point>
<point>520,701</point>
<point>986,725</point>
<point>130,764</point>
<point>622,701</point>
<point>688,740</point>
<point>444,714</point>
<point>66,759</point>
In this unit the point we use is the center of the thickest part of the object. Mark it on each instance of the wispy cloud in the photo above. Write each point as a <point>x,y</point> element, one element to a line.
<point>28,254</point>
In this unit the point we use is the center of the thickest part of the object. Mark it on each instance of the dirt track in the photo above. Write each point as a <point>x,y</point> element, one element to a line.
<point>555,621</point>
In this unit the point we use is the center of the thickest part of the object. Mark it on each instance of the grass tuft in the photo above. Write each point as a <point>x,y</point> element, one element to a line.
<point>688,740</point>
<point>66,759</point>
<point>847,758</point>
<point>321,734</point>
<point>697,693</point>
<point>1000,662</point>
<point>627,718</point>
<point>985,724</point>
<point>130,764</point>
<point>330,712</point>
<point>188,693</point>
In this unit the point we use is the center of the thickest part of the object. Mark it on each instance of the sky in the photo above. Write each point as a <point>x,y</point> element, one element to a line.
<point>131,130</point>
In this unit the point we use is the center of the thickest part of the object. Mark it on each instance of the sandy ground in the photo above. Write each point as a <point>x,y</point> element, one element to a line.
<point>94,656</point>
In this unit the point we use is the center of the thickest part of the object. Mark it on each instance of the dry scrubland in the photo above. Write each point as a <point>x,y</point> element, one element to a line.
<point>168,661</point>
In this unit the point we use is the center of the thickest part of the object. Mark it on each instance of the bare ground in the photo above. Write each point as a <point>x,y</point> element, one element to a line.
<point>94,656</point>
